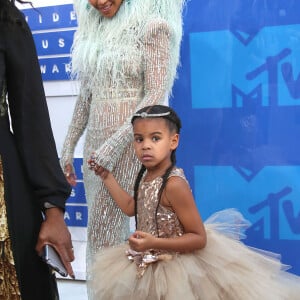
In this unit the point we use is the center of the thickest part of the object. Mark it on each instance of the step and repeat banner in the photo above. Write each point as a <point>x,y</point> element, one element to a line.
<point>238,95</point>
<point>53,30</point>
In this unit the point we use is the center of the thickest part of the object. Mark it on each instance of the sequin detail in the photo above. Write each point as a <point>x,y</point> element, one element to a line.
<point>3,104</point>
<point>163,223</point>
<point>143,260</point>
<point>168,224</point>
<point>9,287</point>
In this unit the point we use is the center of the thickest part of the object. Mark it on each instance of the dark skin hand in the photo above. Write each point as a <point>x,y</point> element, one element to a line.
<point>54,232</point>
<point>141,241</point>
<point>70,175</point>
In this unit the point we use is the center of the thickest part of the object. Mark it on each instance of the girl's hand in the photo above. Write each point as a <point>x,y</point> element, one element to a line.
<point>141,241</point>
<point>99,171</point>
<point>91,162</point>
<point>70,175</point>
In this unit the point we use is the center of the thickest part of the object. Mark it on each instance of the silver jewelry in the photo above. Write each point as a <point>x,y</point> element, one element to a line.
<point>48,205</point>
<point>146,115</point>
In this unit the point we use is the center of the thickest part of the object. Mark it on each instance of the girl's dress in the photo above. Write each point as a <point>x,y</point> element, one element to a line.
<point>224,269</point>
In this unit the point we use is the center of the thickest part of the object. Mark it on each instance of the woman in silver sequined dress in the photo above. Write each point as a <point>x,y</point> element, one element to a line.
<point>125,55</point>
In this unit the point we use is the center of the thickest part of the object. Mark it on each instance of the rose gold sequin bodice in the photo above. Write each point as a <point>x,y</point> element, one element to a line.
<point>155,219</point>
<point>163,223</point>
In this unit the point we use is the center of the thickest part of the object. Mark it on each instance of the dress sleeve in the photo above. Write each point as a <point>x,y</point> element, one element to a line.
<point>156,52</point>
<point>76,128</point>
<point>30,119</point>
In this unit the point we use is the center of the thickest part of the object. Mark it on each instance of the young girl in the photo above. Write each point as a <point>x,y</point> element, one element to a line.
<point>172,255</point>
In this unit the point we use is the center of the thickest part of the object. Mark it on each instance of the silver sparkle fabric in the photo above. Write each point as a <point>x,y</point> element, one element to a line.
<point>105,115</point>
<point>163,222</point>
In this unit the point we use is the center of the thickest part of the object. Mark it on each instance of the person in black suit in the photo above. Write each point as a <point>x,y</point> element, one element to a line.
<point>33,189</point>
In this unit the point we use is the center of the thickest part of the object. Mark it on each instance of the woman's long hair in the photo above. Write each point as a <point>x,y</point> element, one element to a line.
<point>174,125</point>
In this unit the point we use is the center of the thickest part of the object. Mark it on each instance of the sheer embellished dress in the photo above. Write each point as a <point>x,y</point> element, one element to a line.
<point>134,66</point>
<point>225,269</point>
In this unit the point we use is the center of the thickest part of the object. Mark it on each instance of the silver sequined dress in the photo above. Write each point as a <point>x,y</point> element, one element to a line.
<point>225,269</point>
<point>140,77</point>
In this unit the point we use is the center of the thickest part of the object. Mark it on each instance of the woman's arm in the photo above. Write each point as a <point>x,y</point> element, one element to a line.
<point>75,131</point>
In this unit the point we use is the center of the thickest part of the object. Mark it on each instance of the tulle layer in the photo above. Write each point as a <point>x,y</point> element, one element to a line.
<point>224,269</point>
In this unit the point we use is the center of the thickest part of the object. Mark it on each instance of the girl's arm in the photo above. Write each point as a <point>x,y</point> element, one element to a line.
<point>179,197</point>
<point>119,195</point>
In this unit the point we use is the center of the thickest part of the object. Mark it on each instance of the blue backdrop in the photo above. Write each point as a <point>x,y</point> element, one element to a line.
<point>238,95</point>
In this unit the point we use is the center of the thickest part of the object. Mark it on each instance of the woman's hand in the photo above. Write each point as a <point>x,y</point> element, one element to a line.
<point>141,241</point>
<point>54,232</point>
<point>70,175</point>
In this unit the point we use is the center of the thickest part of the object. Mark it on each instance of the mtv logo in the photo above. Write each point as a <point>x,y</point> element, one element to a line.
<point>222,63</point>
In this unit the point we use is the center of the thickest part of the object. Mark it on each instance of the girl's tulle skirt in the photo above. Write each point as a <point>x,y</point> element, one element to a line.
<point>224,269</point>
